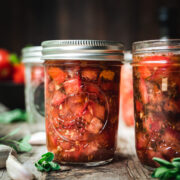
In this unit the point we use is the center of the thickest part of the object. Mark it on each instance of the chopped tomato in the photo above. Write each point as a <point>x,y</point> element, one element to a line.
<point>97,110</point>
<point>58,75</point>
<point>37,74</point>
<point>72,86</point>
<point>58,98</point>
<point>95,126</point>
<point>89,74</point>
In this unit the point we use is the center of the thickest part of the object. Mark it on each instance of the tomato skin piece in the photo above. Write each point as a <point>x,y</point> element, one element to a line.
<point>58,75</point>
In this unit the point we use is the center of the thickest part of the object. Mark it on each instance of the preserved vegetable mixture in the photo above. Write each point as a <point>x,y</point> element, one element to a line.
<point>82,105</point>
<point>157,106</point>
<point>82,100</point>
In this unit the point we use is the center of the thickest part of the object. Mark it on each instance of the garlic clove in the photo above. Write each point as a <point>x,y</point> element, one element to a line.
<point>4,153</point>
<point>16,170</point>
<point>38,138</point>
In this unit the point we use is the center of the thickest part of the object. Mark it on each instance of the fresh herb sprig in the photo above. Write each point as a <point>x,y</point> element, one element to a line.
<point>167,170</point>
<point>21,145</point>
<point>46,164</point>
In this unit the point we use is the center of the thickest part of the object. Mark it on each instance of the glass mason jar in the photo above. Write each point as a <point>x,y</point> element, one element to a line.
<point>34,83</point>
<point>126,91</point>
<point>82,99</point>
<point>156,72</point>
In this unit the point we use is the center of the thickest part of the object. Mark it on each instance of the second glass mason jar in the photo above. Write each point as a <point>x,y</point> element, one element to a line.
<point>82,99</point>
<point>34,83</point>
<point>156,72</point>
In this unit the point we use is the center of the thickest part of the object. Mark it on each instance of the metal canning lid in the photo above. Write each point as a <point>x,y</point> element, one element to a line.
<point>32,54</point>
<point>150,46</point>
<point>82,50</point>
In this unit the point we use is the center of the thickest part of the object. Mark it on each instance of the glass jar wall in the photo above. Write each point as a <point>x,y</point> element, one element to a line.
<point>156,72</point>
<point>82,99</point>
<point>34,83</point>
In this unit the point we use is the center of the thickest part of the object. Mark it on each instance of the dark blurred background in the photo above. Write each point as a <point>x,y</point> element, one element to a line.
<point>29,22</point>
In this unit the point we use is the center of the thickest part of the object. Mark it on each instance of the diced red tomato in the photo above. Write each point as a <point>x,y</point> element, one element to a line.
<point>58,75</point>
<point>89,74</point>
<point>77,109</point>
<point>91,88</point>
<point>87,116</point>
<point>95,126</point>
<point>91,148</point>
<point>58,98</point>
<point>143,91</point>
<point>97,110</point>
<point>72,86</point>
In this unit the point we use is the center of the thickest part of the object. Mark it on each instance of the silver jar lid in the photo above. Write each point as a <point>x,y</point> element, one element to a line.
<point>32,54</point>
<point>158,45</point>
<point>82,50</point>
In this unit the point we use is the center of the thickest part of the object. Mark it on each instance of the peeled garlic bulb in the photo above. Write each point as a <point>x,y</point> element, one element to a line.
<point>4,153</point>
<point>16,170</point>
<point>38,138</point>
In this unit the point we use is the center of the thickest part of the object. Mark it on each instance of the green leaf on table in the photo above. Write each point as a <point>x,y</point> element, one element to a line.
<point>12,133</point>
<point>167,170</point>
<point>24,145</point>
<point>46,163</point>
<point>20,146</point>
<point>12,116</point>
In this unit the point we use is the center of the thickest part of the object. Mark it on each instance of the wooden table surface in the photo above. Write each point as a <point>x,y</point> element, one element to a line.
<point>125,165</point>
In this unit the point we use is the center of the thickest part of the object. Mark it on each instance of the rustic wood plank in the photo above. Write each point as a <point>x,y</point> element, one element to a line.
<point>125,165</point>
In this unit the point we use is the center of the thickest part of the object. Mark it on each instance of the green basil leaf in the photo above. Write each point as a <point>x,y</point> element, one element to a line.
<point>39,167</point>
<point>49,156</point>
<point>163,162</point>
<point>176,159</point>
<point>178,176</point>
<point>159,172</point>
<point>176,164</point>
<point>54,166</point>
<point>170,174</point>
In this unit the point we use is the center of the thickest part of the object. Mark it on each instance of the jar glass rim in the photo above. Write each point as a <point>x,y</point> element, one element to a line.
<point>157,45</point>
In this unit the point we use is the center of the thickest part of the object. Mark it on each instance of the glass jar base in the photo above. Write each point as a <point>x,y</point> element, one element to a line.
<point>88,164</point>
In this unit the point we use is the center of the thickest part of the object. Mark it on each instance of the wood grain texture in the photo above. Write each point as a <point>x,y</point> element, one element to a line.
<point>125,165</point>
